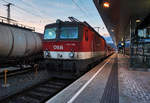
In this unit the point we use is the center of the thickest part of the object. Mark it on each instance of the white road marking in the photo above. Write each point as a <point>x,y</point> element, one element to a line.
<point>86,84</point>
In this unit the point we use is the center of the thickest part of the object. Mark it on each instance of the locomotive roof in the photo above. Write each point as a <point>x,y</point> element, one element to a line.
<point>68,23</point>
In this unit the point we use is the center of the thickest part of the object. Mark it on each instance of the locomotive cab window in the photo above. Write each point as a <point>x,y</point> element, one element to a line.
<point>69,33</point>
<point>50,33</point>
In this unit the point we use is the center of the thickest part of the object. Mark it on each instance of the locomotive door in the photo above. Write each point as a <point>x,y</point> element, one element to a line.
<point>92,45</point>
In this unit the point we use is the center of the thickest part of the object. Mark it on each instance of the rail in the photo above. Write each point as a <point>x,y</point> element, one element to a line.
<point>40,92</point>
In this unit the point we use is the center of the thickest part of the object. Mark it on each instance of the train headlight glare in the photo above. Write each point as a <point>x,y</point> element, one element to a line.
<point>47,54</point>
<point>71,54</point>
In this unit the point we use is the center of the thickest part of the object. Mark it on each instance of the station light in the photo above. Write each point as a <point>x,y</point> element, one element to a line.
<point>106,4</point>
<point>138,21</point>
<point>122,44</point>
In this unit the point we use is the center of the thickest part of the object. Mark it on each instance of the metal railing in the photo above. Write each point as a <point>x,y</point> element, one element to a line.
<point>15,23</point>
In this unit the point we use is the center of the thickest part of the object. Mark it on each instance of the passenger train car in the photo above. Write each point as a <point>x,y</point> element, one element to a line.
<point>73,45</point>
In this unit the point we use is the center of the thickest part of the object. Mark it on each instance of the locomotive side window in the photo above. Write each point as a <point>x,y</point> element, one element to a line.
<point>50,33</point>
<point>86,35</point>
<point>69,33</point>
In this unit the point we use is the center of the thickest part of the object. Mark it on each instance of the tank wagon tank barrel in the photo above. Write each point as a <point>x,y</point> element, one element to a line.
<point>17,42</point>
<point>19,45</point>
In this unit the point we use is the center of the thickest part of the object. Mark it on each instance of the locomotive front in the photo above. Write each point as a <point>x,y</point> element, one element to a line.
<point>61,41</point>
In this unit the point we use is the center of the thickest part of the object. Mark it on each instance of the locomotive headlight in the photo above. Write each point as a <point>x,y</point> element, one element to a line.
<point>47,54</point>
<point>71,54</point>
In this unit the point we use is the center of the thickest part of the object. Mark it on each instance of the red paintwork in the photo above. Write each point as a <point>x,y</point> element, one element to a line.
<point>61,45</point>
<point>94,43</point>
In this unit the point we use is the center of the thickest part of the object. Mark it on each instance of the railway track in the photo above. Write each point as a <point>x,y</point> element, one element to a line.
<point>39,93</point>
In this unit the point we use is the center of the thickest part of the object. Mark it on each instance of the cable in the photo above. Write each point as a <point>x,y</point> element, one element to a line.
<point>37,9</point>
<point>23,9</point>
<point>14,5</point>
<point>89,13</point>
<point>78,6</point>
<point>5,1</point>
<point>27,11</point>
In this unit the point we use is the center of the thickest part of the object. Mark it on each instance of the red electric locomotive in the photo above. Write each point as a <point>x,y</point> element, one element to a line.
<point>72,45</point>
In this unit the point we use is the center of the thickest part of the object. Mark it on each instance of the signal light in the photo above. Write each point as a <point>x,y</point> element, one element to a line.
<point>106,4</point>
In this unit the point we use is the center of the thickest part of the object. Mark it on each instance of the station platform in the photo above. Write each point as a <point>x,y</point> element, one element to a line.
<point>111,81</point>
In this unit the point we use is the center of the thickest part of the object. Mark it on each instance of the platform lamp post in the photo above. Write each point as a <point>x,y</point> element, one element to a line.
<point>123,45</point>
<point>131,42</point>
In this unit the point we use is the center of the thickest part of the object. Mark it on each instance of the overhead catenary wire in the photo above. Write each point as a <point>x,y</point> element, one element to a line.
<point>91,15</point>
<point>87,10</point>
<point>5,1</point>
<point>83,11</point>
<point>27,11</point>
<point>79,7</point>
<point>41,14</point>
<point>38,10</point>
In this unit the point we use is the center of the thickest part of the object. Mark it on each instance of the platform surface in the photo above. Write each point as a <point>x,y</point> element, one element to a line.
<point>111,81</point>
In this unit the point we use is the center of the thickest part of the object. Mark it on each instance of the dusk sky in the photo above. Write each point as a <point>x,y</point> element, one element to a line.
<point>38,13</point>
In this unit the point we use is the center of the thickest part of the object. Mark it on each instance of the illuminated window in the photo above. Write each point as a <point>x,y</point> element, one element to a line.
<point>50,33</point>
<point>69,33</point>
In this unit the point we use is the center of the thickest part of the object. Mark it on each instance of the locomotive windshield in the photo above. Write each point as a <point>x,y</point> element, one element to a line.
<point>50,33</point>
<point>65,33</point>
<point>69,33</point>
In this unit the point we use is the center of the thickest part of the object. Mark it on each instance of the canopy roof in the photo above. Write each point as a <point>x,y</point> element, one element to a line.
<point>121,14</point>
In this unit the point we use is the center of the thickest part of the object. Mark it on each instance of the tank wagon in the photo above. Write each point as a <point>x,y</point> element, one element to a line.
<point>18,45</point>
<point>73,45</point>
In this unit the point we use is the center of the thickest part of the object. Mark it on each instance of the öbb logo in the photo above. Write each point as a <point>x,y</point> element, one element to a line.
<point>58,47</point>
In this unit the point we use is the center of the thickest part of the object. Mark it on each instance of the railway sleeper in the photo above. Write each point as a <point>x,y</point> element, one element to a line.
<point>48,90</point>
<point>35,96</point>
<point>43,91</point>
<point>40,93</point>
<point>56,83</point>
<point>26,99</point>
<point>49,86</point>
<point>22,99</point>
